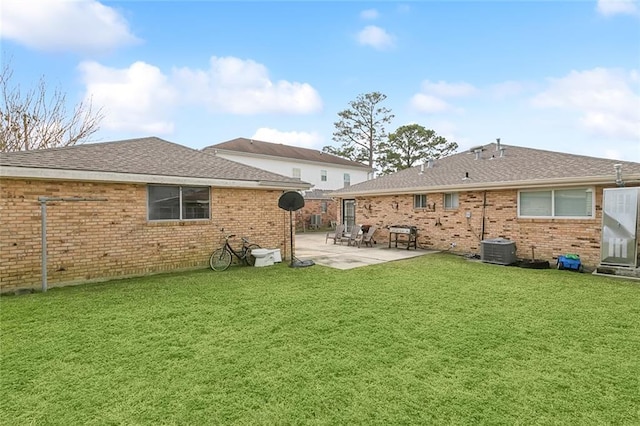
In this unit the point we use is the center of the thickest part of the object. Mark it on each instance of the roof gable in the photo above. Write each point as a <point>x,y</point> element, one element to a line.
<point>251,146</point>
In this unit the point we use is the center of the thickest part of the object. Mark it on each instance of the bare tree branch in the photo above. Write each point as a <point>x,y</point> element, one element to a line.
<point>38,119</point>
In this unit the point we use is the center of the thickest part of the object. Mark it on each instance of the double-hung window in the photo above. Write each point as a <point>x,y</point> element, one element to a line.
<point>346,178</point>
<point>323,175</point>
<point>450,200</point>
<point>420,201</point>
<point>560,203</point>
<point>165,202</point>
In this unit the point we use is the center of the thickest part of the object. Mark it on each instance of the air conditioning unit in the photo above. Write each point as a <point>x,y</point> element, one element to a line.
<point>498,250</point>
<point>316,220</point>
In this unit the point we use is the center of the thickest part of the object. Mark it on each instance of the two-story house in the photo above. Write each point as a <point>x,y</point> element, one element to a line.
<point>326,172</point>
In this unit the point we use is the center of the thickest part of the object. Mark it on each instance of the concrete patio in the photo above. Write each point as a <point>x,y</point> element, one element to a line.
<point>311,245</point>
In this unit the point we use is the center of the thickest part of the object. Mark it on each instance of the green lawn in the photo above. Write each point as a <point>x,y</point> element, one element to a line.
<point>430,340</point>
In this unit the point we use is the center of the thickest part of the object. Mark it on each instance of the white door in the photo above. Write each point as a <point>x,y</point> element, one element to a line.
<point>620,227</point>
<point>349,214</point>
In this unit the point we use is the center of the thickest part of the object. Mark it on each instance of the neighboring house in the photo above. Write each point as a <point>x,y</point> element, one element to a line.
<point>163,208</point>
<point>319,210</point>
<point>324,171</point>
<point>548,203</point>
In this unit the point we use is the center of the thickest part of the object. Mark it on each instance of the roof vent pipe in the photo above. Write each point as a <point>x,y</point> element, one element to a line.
<point>619,180</point>
<point>502,151</point>
<point>498,147</point>
<point>422,168</point>
<point>430,163</point>
<point>478,153</point>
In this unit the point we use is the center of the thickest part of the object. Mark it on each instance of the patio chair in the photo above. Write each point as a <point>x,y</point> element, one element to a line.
<point>335,235</point>
<point>352,237</point>
<point>367,237</point>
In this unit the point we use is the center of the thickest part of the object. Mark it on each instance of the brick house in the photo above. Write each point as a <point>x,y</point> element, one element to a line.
<point>324,171</point>
<point>548,203</point>
<point>319,210</point>
<point>164,208</point>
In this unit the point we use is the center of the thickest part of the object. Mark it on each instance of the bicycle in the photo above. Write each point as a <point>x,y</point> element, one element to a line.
<point>221,258</point>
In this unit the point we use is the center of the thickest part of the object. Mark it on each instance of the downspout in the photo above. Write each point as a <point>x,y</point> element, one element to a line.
<point>484,206</point>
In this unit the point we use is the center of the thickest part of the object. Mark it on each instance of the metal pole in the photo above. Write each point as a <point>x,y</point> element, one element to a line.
<point>43,207</point>
<point>291,236</point>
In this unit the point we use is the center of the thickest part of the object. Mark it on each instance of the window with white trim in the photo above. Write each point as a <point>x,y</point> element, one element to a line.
<point>450,200</point>
<point>420,201</point>
<point>562,203</point>
<point>323,206</point>
<point>346,179</point>
<point>167,202</point>
<point>323,175</point>
<point>295,173</point>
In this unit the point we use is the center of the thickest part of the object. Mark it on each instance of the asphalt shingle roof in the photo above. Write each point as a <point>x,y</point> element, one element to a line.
<point>518,166</point>
<point>251,146</point>
<point>150,156</point>
<point>317,194</point>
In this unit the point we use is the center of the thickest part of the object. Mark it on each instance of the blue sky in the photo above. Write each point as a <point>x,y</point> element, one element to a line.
<point>562,76</point>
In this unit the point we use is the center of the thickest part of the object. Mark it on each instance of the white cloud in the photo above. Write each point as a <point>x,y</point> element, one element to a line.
<point>448,90</point>
<point>244,87</point>
<point>376,37</point>
<point>431,98</point>
<point>137,98</point>
<point>429,104</point>
<point>607,100</point>
<point>618,7</point>
<point>142,97</point>
<point>369,14</point>
<point>301,139</point>
<point>57,25</point>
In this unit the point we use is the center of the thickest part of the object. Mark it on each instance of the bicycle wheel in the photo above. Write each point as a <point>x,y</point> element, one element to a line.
<point>220,260</point>
<point>248,257</point>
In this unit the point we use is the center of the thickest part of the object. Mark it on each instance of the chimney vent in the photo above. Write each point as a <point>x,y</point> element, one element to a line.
<point>502,151</point>
<point>478,153</point>
<point>422,168</point>
<point>430,162</point>
<point>498,147</point>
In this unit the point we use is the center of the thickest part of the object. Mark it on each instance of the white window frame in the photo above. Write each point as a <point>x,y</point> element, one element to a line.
<point>180,203</point>
<point>323,175</point>
<point>420,197</point>
<point>454,197</point>
<point>323,206</point>
<point>346,179</point>
<point>296,173</point>
<point>553,207</point>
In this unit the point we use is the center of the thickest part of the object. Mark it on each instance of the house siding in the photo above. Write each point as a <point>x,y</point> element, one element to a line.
<point>451,230</point>
<point>309,171</point>
<point>101,240</point>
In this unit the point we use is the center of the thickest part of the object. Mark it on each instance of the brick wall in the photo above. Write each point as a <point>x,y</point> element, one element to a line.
<point>439,228</point>
<point>89,241</point>
<point>311,207</point>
